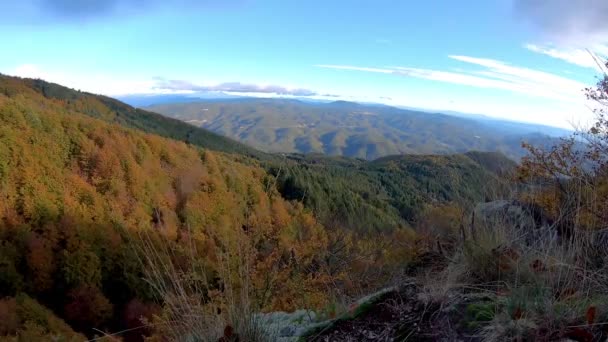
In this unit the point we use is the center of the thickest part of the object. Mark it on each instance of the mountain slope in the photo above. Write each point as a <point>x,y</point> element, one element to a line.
<point>348,129</point>
<point>114,111</point>
<point>77,194</point>
<point>389,192</point>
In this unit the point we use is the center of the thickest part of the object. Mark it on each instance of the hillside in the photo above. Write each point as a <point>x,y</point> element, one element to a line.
<point>349,129</point>
<point>114,111</point>
<point>77,192</point>
<point>391,191</point>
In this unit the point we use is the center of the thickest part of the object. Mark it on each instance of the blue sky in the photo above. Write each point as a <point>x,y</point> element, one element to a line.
<point>517,59</point>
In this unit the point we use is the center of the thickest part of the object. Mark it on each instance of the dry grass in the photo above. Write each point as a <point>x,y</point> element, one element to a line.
<point>539,286</point>
<point>201,304</point>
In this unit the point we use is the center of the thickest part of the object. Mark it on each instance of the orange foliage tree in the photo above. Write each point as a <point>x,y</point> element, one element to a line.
<point>572,176</point>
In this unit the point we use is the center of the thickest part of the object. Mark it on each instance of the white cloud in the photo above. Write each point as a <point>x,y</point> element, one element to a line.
<point>93,83</point>
<point>579,57</point>
<point>529,81</point>
<point>29,71</point>
<point>231,87</point>
<point>587,58</point>
<point>115,86</point>
<point>493,75</point>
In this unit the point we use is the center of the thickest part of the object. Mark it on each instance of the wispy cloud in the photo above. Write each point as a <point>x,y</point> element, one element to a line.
<point>581,57</point>
<point>490,74</point>
<point>230,87</point>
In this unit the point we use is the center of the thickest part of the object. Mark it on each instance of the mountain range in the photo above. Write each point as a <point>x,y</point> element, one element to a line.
<point>350,129</point>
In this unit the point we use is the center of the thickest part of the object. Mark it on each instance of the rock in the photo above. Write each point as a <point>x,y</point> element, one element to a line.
<point>288,326</point>
<point>289,330</point>
<point>528,219</point>
<point>503,211</point>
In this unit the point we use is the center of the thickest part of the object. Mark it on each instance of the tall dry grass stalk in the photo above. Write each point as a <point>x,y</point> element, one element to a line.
<point>200,302</point>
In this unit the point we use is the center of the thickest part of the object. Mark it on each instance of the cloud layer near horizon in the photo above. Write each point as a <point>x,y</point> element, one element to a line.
<point>230,87</point>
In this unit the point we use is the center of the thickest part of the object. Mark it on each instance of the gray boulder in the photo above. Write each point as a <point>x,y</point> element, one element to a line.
<point>529,221</point>
<point>287,326</point>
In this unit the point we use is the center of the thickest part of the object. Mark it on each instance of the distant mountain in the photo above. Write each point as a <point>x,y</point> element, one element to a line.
<point>353,130</point>
<point>154,99</point>
<point>149,100</point>
<point>514,126</point>
<point>517,127</point>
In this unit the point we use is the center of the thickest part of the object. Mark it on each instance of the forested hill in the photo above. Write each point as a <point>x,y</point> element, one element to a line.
<point>114,111</point>
<point>388,192</point>
<point>351,129</point>
<point>76,192</point>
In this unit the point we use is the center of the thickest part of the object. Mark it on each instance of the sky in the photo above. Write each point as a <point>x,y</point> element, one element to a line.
<point>522,60</point>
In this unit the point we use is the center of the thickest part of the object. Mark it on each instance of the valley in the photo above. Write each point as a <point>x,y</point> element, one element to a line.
<point>352,130</point>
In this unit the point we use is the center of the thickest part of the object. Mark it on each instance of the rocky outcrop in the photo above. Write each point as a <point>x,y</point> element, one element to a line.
<point>290,326</point>
<point>528,219</point>
<point>301,324</point>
